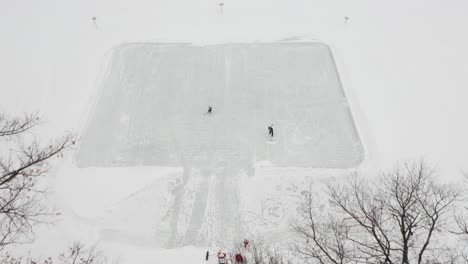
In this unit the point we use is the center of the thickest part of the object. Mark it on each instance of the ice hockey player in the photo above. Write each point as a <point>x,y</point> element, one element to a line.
<point>270,130</point>
<point>209,110</point>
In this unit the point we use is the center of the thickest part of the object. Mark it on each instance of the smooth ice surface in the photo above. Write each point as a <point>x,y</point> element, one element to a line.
<point>154,97</point>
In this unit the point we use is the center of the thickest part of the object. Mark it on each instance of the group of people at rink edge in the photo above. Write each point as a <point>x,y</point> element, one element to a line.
<point>237,257</point>
<point>270,128</point>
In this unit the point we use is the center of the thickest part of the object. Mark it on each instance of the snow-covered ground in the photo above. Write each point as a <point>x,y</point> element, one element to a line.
<point>151,111</point>
<point>403,66</point>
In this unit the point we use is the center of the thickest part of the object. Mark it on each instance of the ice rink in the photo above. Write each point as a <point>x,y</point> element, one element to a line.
<point>151,110</point>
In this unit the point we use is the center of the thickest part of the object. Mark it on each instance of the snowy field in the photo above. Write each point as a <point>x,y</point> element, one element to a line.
<point>145,178</point>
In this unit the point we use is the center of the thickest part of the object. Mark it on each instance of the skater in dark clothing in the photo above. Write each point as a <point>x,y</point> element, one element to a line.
<point>270,130</point>
<point>209,110</point>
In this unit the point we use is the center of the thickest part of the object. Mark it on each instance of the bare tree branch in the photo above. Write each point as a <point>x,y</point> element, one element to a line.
<point>16,125</point>
<point>21,196</point>
<point>390,220</point>
<point>77,253</point>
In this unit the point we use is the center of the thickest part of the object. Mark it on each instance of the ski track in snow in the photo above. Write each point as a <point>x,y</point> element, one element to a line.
<point>150,113</point>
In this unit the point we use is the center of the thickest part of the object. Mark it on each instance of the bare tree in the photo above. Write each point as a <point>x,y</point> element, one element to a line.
<point>461,228</point>
<point>460,217</point>
<point>393,219</point>
<point>23,160</point>
<point>77,253</point>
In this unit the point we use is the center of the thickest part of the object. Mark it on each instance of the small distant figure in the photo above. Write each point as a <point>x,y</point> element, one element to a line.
<point>239,258</point>
<point>95,21</point>
<point>346,19</point>
<point>221,4</point>
<point>270,130</point>
<point>222,257</point>
<point>209,110</point>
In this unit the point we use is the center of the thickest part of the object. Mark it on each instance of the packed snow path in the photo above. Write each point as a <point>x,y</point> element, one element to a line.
<point>152,112</point>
